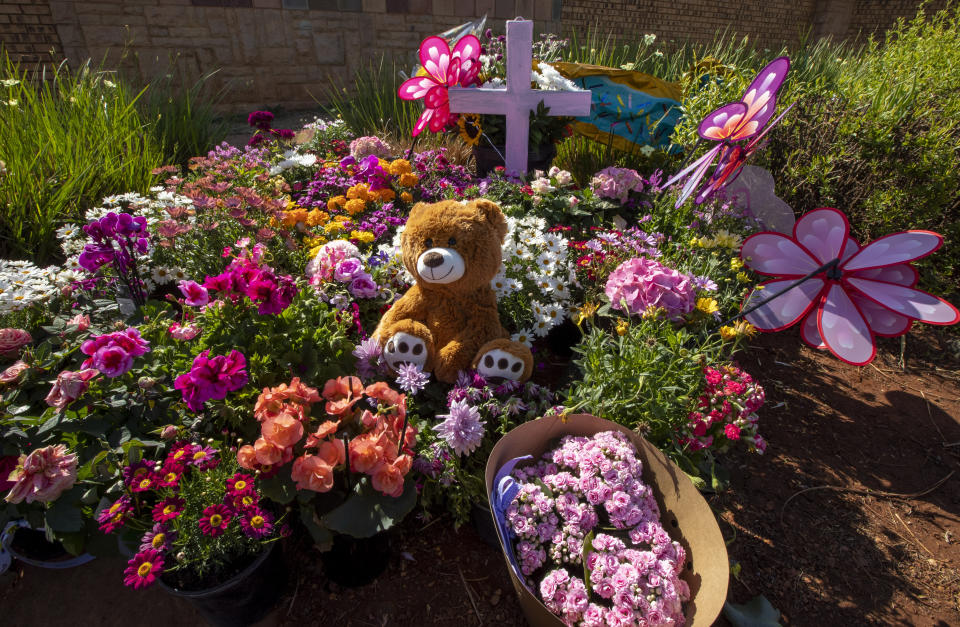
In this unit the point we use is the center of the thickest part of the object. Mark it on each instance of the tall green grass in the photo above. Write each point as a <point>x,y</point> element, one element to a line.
<point>373,107</point>
<point>70,136</point>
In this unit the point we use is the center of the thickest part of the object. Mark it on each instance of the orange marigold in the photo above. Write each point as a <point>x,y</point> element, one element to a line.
<point>400,166</point>
<point>355,206</point>
<point>409,179</point>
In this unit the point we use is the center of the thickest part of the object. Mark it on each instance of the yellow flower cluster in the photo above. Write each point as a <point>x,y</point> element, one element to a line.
<point>722,239</point>
<point>740,328</point>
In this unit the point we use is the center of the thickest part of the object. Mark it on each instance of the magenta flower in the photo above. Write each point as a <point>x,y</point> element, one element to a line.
<point>114,517</point>
<point>462,428</point>
<point>870,291</point>
<point>143,569</point>
<point>195,295</point>
<point>215,520</point>
<point>363,286</point>
<point>212,378</point>
<point>113,353</point>
<point>256,523</point>
<point>639,284</point>
<point>167,509</point>
<point>443,70</point>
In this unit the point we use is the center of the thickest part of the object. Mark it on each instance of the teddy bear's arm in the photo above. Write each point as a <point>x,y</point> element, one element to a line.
<point>411,306</point>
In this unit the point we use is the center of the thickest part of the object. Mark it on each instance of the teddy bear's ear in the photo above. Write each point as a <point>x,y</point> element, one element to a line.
<point>491,212</point>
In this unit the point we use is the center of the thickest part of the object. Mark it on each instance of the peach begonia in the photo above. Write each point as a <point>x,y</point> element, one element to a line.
<point>388,478</point>
<point>43,475</point>
<point>325,430</point>
<point>341,394</point>
<point>367,451</point>
<point>267,453</point>
<point>316,472</point>
<point>247,457</point>
<point>283,431</point>
<point>383,392</point>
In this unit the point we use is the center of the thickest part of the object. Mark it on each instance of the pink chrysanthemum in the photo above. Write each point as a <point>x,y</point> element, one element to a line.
<point>168,509</point>
<point>143,569</point>
<point>114,517</point>
<point>215,520</point>
<point>257,524</point>
<point>240,484</point>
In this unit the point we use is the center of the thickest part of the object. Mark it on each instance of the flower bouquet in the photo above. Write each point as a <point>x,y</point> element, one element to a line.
<point>599,528</point>
<point>202,531</point>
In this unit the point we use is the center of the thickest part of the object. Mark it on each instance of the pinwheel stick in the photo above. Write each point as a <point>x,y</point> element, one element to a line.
<point>832,273</point>
<point>686,162</point>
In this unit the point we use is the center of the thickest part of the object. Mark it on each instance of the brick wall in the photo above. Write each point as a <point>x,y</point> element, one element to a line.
<point>274,52</point>
<point>768,23</point>
<point>28,32</point>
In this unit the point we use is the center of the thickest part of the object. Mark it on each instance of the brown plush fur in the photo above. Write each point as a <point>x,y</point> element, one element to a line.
<point>455,320</point>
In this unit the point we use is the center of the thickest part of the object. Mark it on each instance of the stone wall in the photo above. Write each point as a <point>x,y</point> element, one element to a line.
<point>28,33</point>
<point>284,52</point>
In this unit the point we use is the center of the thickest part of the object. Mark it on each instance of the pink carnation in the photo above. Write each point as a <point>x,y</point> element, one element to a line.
<point>616,183</point>
<point>643,283</point>
<point>12,340</point>
<point>43,475</point>
<point>69,387</point>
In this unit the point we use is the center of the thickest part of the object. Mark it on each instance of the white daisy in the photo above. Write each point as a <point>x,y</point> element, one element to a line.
<point>524,336</point>
<point>161,275</point>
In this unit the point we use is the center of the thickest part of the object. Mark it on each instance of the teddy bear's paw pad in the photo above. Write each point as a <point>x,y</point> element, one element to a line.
<point>404,348</point>
<point>500,363</point>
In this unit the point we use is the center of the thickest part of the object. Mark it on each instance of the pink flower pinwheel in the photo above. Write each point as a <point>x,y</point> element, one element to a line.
<point>864,291</point>
<point>443,69</point>
<point>734,122</point>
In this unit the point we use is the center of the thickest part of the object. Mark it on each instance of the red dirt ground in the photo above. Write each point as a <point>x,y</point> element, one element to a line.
<point>848,552</point>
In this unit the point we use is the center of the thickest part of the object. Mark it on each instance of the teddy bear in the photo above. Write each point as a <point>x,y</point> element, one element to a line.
<point>448,320</point>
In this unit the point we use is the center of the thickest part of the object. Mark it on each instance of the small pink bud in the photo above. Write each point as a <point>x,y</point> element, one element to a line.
<point>169,432</point>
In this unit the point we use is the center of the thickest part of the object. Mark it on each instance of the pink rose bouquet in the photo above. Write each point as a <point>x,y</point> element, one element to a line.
<point>641,284</point>
<point>43,475</point>
<point>726,412</point>
<point>582,514</point>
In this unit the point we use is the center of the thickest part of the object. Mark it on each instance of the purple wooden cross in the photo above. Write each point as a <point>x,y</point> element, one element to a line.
<point>518,99</point>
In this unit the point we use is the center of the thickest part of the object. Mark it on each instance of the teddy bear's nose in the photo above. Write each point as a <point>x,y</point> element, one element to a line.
<point>432,260</point>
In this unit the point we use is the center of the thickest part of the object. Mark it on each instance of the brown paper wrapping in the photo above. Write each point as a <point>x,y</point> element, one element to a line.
<point>680,502</point>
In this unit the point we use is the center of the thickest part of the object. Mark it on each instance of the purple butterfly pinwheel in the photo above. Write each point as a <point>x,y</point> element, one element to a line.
<point>442,69</point>
<point>734,122</point>
<point>844,294</point>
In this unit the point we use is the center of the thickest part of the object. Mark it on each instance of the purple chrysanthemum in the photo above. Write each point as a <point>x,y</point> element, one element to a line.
<point>368,354</point>
<point>411,378</point>
<point>462,428</point>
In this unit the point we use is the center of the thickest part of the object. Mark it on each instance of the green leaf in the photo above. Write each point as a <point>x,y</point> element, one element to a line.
<point>278,488</point>
<point>320,534</point>
<point>51,422</point>
<point>64,516</point>
<point>367,513</point>
<point>757,612</point>
<point>587,547</point>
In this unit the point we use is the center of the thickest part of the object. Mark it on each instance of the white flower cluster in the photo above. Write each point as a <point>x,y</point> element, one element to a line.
<point>293,159</point>
<point>23,284</point>
<point>326,125</point>
<point>550,79</point>
<point>536,262</point>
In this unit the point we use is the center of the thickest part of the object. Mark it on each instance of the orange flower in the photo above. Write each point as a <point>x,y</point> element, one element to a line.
<point>336,202</point>
<point>247,457</point>
<point>310,472</point>
<point>341,394</point>
<point>269,405</point>
<point>406,196</point>
<point>359,191</point>
<point>285,430</point>
<point>382,392</point>
<point>267,453</point>
<point>324,430</point>
<point>400,166</point>
<point>316,217</point>
<point>355,206</point>
<point>332,452</point>
<point>366,452</point>
<point>387,194</point>
<point>389,477</point>
<point>409,180</point>
<point>299,392</point>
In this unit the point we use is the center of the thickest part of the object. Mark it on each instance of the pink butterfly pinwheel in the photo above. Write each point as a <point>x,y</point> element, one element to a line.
<point>844,294</point>
<point>734,122</point>
<point>443,69</point>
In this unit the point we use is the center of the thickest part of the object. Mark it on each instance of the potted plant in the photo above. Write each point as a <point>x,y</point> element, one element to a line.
<point>597,525</point>
<point>346,468</point>
<point>202,532</point>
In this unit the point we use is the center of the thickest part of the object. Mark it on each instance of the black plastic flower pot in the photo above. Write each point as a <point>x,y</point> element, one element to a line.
<point>483,524</point>
<point>487,158</point>
<point>30,546</point>
<point>353,562</point>
<point>246,597</point>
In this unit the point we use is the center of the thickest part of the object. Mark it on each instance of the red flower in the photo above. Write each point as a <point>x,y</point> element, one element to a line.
<point>168,509</point>
<point>143,569</point>
<point>239,484</point>
<point>215,520</point>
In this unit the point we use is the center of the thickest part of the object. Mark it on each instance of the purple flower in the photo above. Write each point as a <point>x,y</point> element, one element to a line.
<point>364,287</point>
<point>260,119</point>
<point>368,354</point>
<point>348,270</point>
<point>462,428</point>
<point>411,378</point>
<point>113,353</point>
<point>195,294</point>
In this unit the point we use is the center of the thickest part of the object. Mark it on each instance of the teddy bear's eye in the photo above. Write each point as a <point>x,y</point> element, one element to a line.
<point>452,241</point>
<point>428,243</point>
